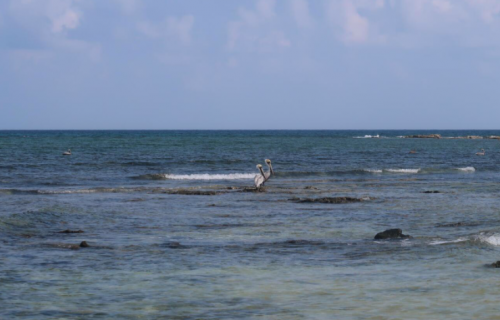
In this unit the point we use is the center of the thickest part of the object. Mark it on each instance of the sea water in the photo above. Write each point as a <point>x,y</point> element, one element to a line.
<point>159,250</point>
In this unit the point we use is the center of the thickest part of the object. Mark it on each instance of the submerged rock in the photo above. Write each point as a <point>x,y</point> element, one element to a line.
<point>310,188</point>
<point>496,264</point>
<point>327,200</point>
<point>253,190</point>
<point>424,136</point>
<point>458,224</point>
<point>84,244</point>
<point>391,234</point>
<point>71,231</point>
<point>193,192</point>
<point>431,191</point>
<point>173,245</point>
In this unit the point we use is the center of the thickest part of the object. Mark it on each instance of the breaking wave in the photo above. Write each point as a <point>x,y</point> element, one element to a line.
<point>467,169</point>
<point>392,170</point>
<point>492,239</point>
<point>373,170</point>
<point>367,136</point>
<point>403,170</point>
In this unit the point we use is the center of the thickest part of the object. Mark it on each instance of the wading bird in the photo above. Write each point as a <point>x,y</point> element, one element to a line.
<point>269,173</point>
<point>260,178</point>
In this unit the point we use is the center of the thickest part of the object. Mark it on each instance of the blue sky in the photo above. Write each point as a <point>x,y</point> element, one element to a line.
<point>249,64</point>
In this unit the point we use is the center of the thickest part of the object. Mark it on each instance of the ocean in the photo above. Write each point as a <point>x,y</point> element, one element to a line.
<point>174,230</point>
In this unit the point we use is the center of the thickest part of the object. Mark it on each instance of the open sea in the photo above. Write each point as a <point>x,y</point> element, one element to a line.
<point>175,232</point>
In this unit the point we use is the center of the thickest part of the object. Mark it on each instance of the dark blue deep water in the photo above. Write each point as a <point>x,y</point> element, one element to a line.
<point>175,233</point>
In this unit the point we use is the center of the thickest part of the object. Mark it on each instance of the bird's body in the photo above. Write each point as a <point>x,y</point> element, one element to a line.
<point>413,151</point>
<point>482,153</point>
<point>67,153</point>
<point>260,178</point>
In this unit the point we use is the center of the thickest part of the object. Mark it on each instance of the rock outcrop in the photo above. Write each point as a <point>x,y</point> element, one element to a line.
<point>71,231</point>
<point>424,136</point>
<point>327,200</point>
<point>391,234</point>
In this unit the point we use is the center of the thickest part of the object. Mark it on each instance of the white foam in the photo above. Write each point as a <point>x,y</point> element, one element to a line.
<point>206,176</point>
<point>403,170</point>
<point>493,239</point>
<point>467,169</point>
<point>373,170</point>
<point>438,242</point>
<point>368,136</point>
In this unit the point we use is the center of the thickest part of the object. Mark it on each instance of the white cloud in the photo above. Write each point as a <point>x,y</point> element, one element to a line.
<point>488,9</point>
<point>171,27</point>
<point>255,30</point>
<point>266,8</point>
<point>300,13</point>
<point>352,27</point>
<point>50,21</point>
<point>128,6</point>
<point>61,14</point>
<point>180,28</point>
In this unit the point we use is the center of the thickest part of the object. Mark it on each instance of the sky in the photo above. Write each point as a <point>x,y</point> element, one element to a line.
<point>249,64</point>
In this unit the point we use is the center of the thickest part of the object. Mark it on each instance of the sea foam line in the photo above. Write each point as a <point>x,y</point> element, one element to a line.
<point>403,170</point>
<point>493,239</point>
<point>206,176</point>
<point>467,169</point>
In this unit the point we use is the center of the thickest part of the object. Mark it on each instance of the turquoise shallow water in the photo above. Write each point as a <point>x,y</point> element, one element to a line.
<point>155,254</point>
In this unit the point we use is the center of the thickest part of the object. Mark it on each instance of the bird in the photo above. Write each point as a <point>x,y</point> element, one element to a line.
<point>260,178</point>
<point>67,153</point>
<point>269,173</point>
<point>412,152</point>
<point>482,153</point>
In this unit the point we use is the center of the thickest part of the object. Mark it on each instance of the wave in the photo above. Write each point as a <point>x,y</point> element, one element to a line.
<point>199,176</point>
<point>367,136</point>
<point>403,170</point>
<point>467,169</point>
<point>373,170</point>
<point>492,239</point>
<point>438,242</point>
<point>485,238</point>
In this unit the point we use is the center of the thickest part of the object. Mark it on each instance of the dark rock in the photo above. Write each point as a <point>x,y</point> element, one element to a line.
<point>253,190</point>
<point>431,191</point>
<point>211,205</point>
<point>424,136</point>
<point>327,200</point>
<point>173,245</point>
<point>302,242</point>
<point>458,224</point>
<point>84,244</point>
<point>135,200</point>
<point>71,231</point>
<point>391,234</point>
<point>193,192</point>
<point>496,264</point>
<point>310,188</point>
